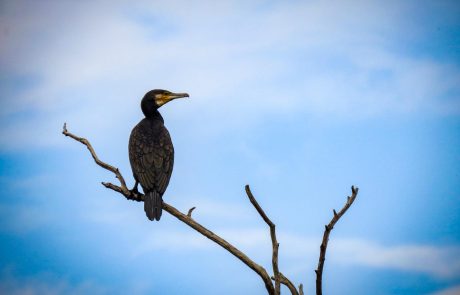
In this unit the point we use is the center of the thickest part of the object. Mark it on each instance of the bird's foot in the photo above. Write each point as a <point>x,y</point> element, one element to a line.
<point>134,191</point>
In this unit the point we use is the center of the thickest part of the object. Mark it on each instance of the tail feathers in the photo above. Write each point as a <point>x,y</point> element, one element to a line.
<point>153,204</point>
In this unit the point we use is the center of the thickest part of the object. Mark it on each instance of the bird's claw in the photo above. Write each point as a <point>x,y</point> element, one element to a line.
<point>134,191</point>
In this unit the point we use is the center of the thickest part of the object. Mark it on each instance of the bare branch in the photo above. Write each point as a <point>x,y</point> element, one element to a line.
<point>223,243</point>
<point>129,195</point>
<point>176,213</point>
<point>285,281</point>
<point>275,244</point>
<point>96,159</point>
<point>257,206</point>
<point>300,289</point>
<point>189,214</point>
<point>327,231</point>
<point>278,277</point>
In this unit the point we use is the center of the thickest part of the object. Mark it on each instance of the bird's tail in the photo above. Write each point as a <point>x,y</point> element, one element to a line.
<point>152,205</point>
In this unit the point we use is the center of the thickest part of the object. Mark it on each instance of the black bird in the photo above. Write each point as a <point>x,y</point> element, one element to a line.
<point>151,152</point>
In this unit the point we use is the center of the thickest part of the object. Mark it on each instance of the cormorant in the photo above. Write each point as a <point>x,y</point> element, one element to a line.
<point>151,152</point>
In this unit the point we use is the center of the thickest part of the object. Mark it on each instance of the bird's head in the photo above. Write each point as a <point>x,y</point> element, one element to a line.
<point>156,98</point>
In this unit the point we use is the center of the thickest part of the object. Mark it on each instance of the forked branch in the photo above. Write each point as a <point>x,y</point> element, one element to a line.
<point>285,281</point>
<point>96,159</point>
<point>185,218</point>
<point>278,277</point>
<point>327,231</point>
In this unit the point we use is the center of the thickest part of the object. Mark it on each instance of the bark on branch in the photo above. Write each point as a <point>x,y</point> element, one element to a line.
<point>96,159</point>
<point>327,231</point>
<point>185,218</point>
<point>275,244</point>
<point>285,281</point>
<point>278,277</point>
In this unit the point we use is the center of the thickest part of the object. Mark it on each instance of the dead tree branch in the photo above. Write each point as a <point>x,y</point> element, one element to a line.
<point>327,231</point>
<point>285,281</point>
<point>301,289</point>
<point>96,159</point>
<point>278,277</point>
<point>223,243</point>
<point>275,244</point>
<point>189,214</point>
<point>186,218</point>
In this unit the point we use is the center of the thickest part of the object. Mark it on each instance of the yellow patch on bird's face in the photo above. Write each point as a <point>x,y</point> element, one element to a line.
<point>161,99</point>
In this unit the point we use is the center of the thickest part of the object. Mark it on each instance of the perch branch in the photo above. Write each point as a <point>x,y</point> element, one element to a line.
<point>327,231</point>
<point>275,244</point>
<point>95,157</point>
<point>130,195</point>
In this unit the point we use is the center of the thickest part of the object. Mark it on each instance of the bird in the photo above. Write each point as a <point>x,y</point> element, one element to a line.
<point>151,152</point>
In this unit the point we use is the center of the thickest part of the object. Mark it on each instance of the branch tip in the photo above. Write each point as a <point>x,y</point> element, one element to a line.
<point>275,244</point>
<point>327,231</point>
<point>189,214</point>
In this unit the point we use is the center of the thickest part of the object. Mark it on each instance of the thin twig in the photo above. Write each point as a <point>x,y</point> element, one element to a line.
<point>129,195</point>
<point>327,231</point>
<point>275,244</point>
<point>189,214</point>
<point>301,289</point>
<point>176,213</point>
<point>95,157</point>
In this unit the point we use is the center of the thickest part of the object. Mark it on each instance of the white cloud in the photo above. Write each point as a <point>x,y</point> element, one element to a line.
<point>46,284</point>
<point>437,261</point>
<point>449,291</point>
<point>49,283</point>
<point>242,60</point>
<point>297,252</point>
<point>25,218</point>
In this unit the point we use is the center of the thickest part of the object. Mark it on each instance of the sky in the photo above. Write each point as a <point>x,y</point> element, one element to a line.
<point>299,99</point>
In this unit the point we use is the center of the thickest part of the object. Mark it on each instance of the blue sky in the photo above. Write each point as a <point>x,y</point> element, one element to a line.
<point>299,99</point>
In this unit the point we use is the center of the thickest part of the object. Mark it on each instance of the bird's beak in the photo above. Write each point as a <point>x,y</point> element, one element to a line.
<point>177,95</point>
<point>165,98</point>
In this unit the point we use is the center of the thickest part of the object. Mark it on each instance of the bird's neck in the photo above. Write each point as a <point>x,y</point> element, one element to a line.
<point>153,116</point>
<point>149,108</point>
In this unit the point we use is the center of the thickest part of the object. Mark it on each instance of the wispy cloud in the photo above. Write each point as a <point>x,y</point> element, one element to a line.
<point>449,291</point>
<point>437,261</point>
<point>45,284</point>
<point>49,283</point>
<point>25,218</point>
<point>243,60</point>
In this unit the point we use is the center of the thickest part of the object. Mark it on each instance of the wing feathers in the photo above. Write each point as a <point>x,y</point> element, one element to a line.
<point>151,155</point>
